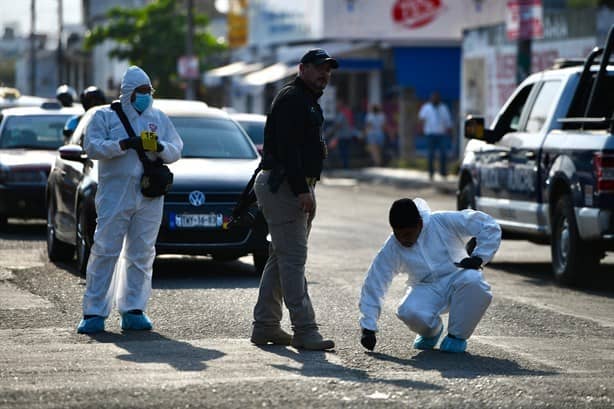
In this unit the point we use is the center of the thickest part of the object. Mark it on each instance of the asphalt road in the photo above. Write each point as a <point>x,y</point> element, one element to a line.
<point>539,345</point>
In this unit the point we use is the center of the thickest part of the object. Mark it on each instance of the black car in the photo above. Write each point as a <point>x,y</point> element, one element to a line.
<point>29,139</point>
<point>217,161</point>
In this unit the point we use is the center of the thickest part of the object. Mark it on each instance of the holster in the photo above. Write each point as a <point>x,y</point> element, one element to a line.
<point>276,177</point>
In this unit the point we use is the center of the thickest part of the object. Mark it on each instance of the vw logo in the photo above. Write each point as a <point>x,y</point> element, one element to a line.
<point>196,198</point>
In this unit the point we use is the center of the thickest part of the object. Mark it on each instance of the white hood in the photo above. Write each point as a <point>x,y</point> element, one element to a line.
<point>133,78</point>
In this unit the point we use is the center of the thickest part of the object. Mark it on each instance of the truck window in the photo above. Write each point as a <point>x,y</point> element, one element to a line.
<point>510,119</point>
<point>543,103</point>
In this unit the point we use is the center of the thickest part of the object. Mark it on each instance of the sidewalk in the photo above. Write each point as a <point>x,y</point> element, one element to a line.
<point>403,178</point>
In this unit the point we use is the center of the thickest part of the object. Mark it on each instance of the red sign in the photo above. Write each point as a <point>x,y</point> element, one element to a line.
<point>524,19</point>
<point>416,13</point>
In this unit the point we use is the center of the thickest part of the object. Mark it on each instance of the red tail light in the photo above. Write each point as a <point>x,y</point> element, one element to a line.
<point>604,170</point>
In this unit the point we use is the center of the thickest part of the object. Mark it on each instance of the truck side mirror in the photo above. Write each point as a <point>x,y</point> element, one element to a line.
<point>474,129</point>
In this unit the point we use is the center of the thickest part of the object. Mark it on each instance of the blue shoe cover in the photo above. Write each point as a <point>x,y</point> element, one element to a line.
<point>455,345</point>
<point>427,343</point>
<point>91,325</point>
<point>136,322</point>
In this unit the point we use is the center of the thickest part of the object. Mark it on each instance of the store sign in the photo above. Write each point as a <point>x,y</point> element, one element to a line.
<point>413,14</point>
<point>524,19</point>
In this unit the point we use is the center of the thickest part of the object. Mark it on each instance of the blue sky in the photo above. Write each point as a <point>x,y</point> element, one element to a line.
<point>46,10</point>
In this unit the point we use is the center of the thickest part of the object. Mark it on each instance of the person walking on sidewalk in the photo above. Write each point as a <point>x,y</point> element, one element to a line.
<point>442,254</point>
<point>436,124</point>
<point>293,155</point>
<point>374,129</point>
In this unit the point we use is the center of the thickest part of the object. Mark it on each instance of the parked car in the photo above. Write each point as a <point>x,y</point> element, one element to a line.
<point>29,139</point>
<point>217,162</point>
<point>253,124</point>
<point>12,98</point>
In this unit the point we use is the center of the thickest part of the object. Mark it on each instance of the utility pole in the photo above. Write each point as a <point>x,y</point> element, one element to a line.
<point>189,90</point>
<point>32,47</point>
<point>60,32</point>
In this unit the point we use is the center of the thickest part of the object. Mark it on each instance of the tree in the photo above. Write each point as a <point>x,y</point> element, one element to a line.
<point>154,37</point>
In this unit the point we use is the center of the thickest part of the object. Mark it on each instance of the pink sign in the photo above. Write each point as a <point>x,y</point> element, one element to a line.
<point>524,19</point>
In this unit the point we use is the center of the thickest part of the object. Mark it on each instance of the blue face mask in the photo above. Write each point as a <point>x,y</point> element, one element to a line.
<point>142,101</point>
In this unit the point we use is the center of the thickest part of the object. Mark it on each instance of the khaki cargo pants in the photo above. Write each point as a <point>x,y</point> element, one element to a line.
<point>283,278</point>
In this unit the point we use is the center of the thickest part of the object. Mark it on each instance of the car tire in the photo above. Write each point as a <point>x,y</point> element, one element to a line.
<point>466,197</point>
<point>83,245</point>
<point>260,259</point>
<point>56,250</point>
<point>571,256</point>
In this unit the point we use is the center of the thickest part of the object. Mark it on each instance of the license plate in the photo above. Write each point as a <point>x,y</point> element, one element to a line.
<point>197,220</point>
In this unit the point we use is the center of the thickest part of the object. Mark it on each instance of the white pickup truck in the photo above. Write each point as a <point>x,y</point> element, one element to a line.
<point>545,168</point>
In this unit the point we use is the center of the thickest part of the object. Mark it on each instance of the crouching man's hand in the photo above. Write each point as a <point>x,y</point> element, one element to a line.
<point>368,339</point>
<point>473,262</point>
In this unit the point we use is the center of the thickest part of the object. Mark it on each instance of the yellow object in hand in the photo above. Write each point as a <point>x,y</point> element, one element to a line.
<point>150,140</point>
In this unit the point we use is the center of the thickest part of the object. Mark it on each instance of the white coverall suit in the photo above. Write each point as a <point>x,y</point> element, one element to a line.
<point>127,221</point>
<point>435,284</point>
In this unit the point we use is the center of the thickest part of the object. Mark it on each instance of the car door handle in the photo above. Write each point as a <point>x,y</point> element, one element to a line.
<point>530,155</point>
<point>503,155</point>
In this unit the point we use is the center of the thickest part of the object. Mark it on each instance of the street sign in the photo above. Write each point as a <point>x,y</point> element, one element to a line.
<point>524,19</point>
<point>187,67</point>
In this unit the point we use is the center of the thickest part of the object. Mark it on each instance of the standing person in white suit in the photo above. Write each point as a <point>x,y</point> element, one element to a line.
<point>128,222</point>
<point>442,276</point>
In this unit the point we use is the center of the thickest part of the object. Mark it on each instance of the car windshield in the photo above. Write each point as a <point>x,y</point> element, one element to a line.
<point>33,132</point>
<point>255,130</point>
<point>212,138</point>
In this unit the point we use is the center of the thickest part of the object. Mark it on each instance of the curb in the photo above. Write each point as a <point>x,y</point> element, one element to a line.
<point>400,178</point>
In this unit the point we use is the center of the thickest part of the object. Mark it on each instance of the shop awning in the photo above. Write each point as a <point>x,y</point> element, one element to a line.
<point>213,77</point>
<point>271,73</point>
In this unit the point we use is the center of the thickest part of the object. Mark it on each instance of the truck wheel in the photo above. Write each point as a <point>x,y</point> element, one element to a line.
<point>56,249</point>
<point>466,197</point>
<point>571,256</point>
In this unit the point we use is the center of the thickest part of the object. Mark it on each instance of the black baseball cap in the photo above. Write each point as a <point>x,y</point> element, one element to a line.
<point>318,56</point>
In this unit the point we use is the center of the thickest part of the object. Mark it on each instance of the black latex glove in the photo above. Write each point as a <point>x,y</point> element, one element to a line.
<point>159,147</point>
<point>473,262</point>
<point>368,339</point>
<point>131,143</point>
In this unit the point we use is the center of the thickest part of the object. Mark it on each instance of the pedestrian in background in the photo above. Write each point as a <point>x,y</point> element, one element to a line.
<point>436,125</point>
<point>293,155</point>
<point>121,260</point>
<point>90,97</point>
<point>444,273</point>
<point>343,131</point>
<point>374,129</point>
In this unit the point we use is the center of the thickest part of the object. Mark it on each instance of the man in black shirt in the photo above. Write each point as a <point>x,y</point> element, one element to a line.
<point>293,154</point>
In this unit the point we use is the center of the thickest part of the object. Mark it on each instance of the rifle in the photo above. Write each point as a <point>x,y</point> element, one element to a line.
<point>241,215</point>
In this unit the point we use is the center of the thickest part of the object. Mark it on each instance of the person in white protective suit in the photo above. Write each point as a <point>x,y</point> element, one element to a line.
<point>121,260</point>
<point>444,273</point>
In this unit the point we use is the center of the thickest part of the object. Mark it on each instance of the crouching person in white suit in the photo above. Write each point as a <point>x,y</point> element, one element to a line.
<point>442,276</point>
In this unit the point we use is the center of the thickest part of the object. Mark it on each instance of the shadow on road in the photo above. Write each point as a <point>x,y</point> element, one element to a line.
<point>461,365</point>
<point>25,231</point>
<point>152,347</point>
<point>201,272</point>
<point>315,364</point>
<point>599,282</point>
